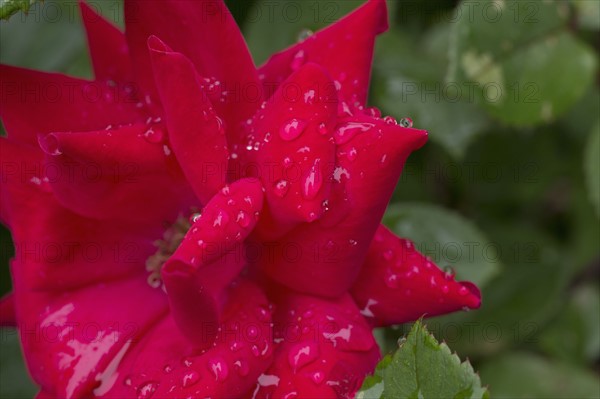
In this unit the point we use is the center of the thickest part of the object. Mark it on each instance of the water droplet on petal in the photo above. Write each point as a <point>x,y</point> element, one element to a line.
<point>187,362</point>
<point>242,368</point>
<point>374,112</point>
<point>322,129</point>
<point>218,367</point>
<point>309,97</point>
<point>153,136</point>
<point>352,153</point>
<point>392,280</point>
<point>449,273</point>
<point>194,217</point>
<point>313,181</point>
<point>281,188</point>
<point>167,369</point>
<point>462,291</point>
<point>221,220</point>
<point>302,354</point>
<point>190,379</point>
<point>146,390</point>
<point>298,60</point>
<point>346,132</point>
<point>304,34</point>
<point>243,219</point>
<point>292,129</point>
<point>445,289</point>
<point>406,122</point>
<point>317,377</point>
<point>390,120</point>
<point>236,346</point>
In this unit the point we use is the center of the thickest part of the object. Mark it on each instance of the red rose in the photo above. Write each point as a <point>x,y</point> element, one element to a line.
<point>187,225</point>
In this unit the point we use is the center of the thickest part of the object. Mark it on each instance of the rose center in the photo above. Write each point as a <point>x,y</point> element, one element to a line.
<point>166,246</point>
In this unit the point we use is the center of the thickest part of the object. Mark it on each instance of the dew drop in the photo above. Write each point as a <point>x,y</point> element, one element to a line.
<point>292,129</point>
<point>236,346</point>
<point>167,369</point>
<point>322,128</point>
<point>449,273</point>
<point>390,120</point>
<point>313,181</point>
<point>243,219</point>
<point>374,112</point>
<point>218,367</point>
<point>463,291</point>
<point>317,377</point>
<point>241,367</point>
<point>352,153</point>
<point>153,136</point>
<point>406,122</point>
<point>146,390</point>
<point>346,132</point>
<point>309,97</point>
<point>298,60</point>
<point>190,379</point>
<point>194,217</point>
<point>392,280</point>
<point>281,188</point>
<point>304,34</point>
<point>221,220</point>
<point>302,354</point>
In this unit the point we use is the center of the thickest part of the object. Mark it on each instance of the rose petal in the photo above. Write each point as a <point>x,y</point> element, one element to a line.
<point>345,49</point>
<point>69,340</point>
<point>210,256</point>
<point>397,284</point>
<point>60,250</point>
<point>107,46</point>
<point>108,174</point>
<point>166,365</point>
<point>287,151</point>
<point>196,133</point>
<point>331,251</point>
<point>54,102</point>
<point>325,349</point>
<point>208,35</point>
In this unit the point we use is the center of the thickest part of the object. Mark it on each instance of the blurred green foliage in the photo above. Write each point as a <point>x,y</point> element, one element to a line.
<point>509,93</point>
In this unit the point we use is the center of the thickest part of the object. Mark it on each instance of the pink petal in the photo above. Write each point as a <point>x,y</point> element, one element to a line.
<point>196,133</point>
<point>54,102</point>
<point>7,310</point>
<point>165,365</point>
<point>325,349</point>
<point>117,174</point>
<point>208,35</point>
<point>397,284</point>
<point>287,151</point>
<point>69,339</point>
<point>345,49</point>
<point>210,256</point>
<point>331,251</point>
<point>58,249</point>
<point>107,46</point>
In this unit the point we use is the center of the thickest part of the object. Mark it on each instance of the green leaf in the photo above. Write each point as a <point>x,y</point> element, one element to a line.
<point>10,7</point>
<point>574,336</point>
<point>14,380</point>
<point>448,238</point>
<point>588,14</point>
<point>424,368</point>
<point>520,75</point>
<point>592,166</point>
<point>413,86</point>
<point>522,375</point>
